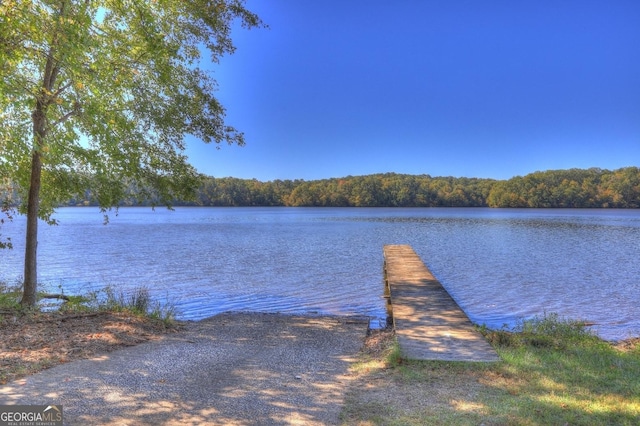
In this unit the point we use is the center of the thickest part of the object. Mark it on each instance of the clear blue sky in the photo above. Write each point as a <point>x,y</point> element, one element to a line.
<point>491,89</point>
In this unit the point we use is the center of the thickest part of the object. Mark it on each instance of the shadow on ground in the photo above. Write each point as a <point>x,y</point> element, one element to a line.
<point>241,368</point>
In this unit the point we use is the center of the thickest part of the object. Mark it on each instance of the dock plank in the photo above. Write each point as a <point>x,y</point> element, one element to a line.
<point>429,324</point>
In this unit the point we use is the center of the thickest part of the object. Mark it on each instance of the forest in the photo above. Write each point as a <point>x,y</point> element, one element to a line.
<point>572,188</point>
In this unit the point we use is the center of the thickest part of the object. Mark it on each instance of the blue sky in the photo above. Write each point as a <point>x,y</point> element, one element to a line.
<point>490,89</point>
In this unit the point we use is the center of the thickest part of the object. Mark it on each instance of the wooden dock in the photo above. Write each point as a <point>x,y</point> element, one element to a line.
<point>429,324</point>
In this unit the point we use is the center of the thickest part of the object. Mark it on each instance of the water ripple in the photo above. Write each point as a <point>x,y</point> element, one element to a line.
<point>501,265</point>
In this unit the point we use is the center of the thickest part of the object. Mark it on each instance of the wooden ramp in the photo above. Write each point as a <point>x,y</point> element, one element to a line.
<point>429,324</point>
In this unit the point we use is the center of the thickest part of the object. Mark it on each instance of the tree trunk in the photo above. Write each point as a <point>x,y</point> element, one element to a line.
<point>29,291</point>
<point>39,117</point>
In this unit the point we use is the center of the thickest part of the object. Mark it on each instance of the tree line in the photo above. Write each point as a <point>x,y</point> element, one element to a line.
<point>572,188</point>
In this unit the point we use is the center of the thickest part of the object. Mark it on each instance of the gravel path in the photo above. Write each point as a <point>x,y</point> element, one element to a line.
<point>231,369</point>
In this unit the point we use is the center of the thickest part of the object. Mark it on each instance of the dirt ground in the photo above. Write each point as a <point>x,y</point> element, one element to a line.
<point>233,368</point>
<point>34,341</point>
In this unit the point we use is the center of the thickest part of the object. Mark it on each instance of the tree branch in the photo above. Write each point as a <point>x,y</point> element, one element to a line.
<point>54,296</point>
<point>62,89</point>
<point>75,111</point>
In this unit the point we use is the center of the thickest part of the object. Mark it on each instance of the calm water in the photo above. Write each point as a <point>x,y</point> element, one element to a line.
<point>500,265</point>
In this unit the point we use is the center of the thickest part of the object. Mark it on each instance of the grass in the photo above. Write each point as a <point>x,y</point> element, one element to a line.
<point>137,301</point>
<point>553,372</point>
<point>9,296</point>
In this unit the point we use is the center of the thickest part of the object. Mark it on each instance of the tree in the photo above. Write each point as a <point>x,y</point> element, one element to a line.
<point>100,94</point>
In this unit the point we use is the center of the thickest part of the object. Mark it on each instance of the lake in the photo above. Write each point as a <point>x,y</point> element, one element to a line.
<point>500,265</point>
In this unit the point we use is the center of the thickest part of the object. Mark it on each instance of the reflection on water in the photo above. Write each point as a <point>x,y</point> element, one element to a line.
<point>500,265</point>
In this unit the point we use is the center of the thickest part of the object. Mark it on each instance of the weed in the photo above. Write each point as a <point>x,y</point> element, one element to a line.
<point>395,358</point>
<point>140,302</point>
<point>546,331</point>
<point>10,296</point>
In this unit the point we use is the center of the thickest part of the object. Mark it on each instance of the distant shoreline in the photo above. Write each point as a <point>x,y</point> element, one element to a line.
<point>574,188</point>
